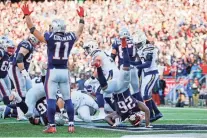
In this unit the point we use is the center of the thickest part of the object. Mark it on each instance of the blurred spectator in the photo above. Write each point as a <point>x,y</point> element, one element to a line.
<point>181,98</point>
<point>177,27</point>
<point>189,91</point>
<point>155,93</point>
<point>196,91</point>
<point>161,89</point>
<point>203,94</point>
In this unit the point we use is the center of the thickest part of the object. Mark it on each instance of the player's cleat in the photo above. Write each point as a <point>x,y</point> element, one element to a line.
<point>152,119</point>
<point>158,116</point>
<point>50,129</point>
<point>6,112</point>
<point>71,128</point>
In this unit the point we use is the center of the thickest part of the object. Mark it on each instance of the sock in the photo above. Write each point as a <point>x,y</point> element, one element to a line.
<point>101,78</point>
<point>111,104</point>
<point>100,100</point>
<point>101,111</point>
<point>13,106</point>
<point>154,107</point>
<point>70,110</point>
<point>6,100</point>
<point>14,111</point>
<point>51,109</point>
<point>22,105</point>
<point>13,115</point>
<point>149,105</point>
<point>126,58</point>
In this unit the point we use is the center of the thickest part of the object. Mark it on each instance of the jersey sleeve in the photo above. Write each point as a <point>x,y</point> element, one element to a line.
<point>115,44</point>
<point>1,53</point>
<point>26,45</point>
<point>47,35</point>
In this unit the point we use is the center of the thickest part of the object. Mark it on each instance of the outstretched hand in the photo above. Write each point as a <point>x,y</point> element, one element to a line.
<point>25,9</point>
<point>80,11</point>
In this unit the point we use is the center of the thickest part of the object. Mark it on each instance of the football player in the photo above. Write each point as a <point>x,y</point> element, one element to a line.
<point>92,85</point>
<point>5,84</point>
<point>84,105</point>
<point>18,70</point>
<point>59,44</point>
<point>33,95</point>
<point>126,105</point>
<point>117,51</point>
<point>148,64</point>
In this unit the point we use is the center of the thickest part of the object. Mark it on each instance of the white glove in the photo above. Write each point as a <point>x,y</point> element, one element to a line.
<point>25,73</point>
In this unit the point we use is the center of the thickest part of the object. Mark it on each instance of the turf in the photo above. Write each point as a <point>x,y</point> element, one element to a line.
<point>13,128</point>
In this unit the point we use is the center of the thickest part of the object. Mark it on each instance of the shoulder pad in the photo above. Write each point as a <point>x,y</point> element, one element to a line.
<point>95,52</point>
<point>26,44</point>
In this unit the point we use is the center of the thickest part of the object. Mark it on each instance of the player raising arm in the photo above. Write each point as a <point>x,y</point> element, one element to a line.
<point>38,34</point>
<point>59,44</point>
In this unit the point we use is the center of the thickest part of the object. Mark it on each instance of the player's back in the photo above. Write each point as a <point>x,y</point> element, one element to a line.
<point>59,47</point>
<point>4,63</point>
<point>131,50</point>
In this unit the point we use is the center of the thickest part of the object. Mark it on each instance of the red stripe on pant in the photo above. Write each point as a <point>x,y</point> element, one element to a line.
<point>16,81</point>
<point>2,90</point>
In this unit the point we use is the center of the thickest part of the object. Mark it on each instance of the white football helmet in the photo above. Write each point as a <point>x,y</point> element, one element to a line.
<point>139,39</point>
<point>34,41</point>
<point>57,25</point>
<point>90,46</point>
<point>123,32</point>
<point>59,119</point>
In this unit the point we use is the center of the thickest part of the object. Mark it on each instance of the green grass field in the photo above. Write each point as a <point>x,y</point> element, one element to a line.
<point>13,128</point>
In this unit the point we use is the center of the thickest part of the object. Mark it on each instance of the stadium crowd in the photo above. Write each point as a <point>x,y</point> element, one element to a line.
<point>177,27</point>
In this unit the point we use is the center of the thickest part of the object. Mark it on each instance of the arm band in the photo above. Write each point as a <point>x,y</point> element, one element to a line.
<point>20,58</point>
<point>113,56</point>
<point>32,30</point>
<point>81,21</point>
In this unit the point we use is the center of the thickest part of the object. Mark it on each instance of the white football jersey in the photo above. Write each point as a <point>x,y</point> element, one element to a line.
<point>80,99</point>
<point>107,62</point>
<point>146,50</point>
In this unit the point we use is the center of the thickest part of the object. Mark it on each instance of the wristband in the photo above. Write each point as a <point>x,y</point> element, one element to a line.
<point>81,21</point>
<point>32,30</point>
<point>25,15</point>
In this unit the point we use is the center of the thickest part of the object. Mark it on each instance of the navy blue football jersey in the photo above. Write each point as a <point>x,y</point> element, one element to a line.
<point>28,57</point>
<point>126,105</point>
<point>4,63</point>
<point>131,49</point>
<point>59,47</point>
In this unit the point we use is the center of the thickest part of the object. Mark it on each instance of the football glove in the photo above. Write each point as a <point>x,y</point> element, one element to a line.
<point>25,9</point>
<point>80,11</point>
